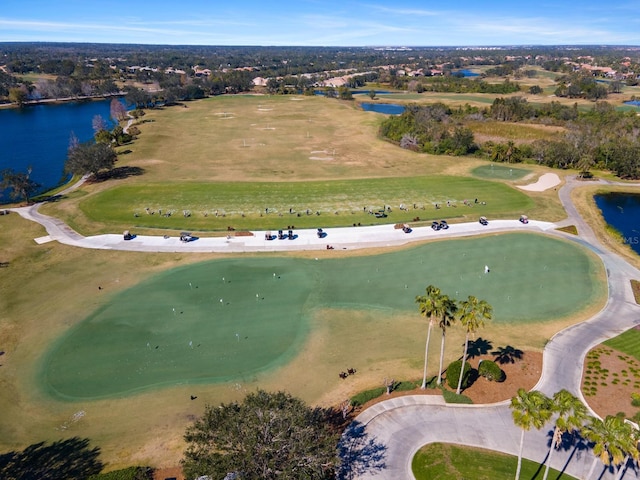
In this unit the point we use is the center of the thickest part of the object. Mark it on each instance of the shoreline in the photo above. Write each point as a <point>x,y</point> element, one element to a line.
<point>55,101</point>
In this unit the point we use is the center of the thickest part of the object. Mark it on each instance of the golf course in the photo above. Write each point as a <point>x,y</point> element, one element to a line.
<point>140,342</point>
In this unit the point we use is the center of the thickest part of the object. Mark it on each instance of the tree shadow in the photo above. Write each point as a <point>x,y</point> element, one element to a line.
<point>507,354</point>
<point>359,453</point>
<point>117,173</point>
<point>577,444</point>
<point>478,347</point>
<point>70,459</point>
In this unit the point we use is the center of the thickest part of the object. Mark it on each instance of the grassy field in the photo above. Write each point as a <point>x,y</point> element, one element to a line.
<point>49,291</point>
<point>206,323</point>
<point>240,155</point>
<point>274,205</point>
<point>439,461</point>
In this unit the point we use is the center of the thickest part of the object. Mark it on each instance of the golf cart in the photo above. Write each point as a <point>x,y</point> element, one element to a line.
<point>483,221</point>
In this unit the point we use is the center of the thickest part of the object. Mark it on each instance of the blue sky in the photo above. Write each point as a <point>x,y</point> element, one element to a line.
<point>323,23</point>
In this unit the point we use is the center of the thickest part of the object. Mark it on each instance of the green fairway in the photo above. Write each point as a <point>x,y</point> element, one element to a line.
<point>226,319</point>
<point>215,206</point>
<point>628,342</point>
<point>441,461</point>
<point>499,172</point>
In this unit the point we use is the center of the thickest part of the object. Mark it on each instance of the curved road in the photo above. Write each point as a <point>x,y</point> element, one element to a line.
<point>402,425</point>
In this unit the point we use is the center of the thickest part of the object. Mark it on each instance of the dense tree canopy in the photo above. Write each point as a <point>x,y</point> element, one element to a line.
<point>90,158</point>
<point>19,184</point>
<point>266,436</point>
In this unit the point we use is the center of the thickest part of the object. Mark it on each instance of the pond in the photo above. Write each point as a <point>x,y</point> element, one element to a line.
<point>622,212</point>
<point>386,108</point>
<point>38,137</point>
<point>635,103</point>
<point>465,72</point>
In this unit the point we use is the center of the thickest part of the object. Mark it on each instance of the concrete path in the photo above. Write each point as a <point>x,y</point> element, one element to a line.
<point>402,425</point>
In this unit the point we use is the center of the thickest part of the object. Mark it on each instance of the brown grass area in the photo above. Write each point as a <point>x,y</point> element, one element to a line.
<point>635,287</point>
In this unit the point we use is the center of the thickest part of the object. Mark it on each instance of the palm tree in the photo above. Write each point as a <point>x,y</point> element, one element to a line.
<point>614,441</point>
<point>473,313</point>
<point>447,318</point>
<point>529,409</point>
<point>430,306</point>
<point>571,415</point>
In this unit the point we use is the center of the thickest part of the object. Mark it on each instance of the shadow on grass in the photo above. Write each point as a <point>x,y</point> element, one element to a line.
<point>117,173</point>
<point>359,453</point>
<point>71,458</point>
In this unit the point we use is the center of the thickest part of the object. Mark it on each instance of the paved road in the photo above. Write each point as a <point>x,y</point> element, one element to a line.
<point>405,424</point>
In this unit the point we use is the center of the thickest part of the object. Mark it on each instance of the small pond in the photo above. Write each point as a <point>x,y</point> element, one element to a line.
<point>465,72</point>
<point>387,108</point>
<point>622,212</point>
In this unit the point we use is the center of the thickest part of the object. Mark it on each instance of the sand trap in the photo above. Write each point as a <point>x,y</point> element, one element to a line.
<point>265,109</point>
<point>545,182</point>
<point>320,158</point>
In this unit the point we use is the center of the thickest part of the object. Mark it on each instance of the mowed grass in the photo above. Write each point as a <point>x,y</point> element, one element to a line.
<point>500,172</point>
<point>628,342</point>
<point>441,461</point>
<point>226,320</point>
<point>275,205</point>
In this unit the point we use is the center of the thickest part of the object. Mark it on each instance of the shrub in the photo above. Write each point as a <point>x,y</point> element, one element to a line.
<point>131,473</point>
<point>453,374</point>
<point>453,397</point>
<point>491,371</point>
<point>635,399</point>
<point>406,386</point>
<point>363,397</point>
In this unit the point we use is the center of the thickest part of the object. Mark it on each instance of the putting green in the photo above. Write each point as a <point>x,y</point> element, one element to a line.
<point>229,319</point>
<point>499,172</point>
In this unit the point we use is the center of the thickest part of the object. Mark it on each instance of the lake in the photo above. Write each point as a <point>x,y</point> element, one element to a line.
<point>622,212</point>
<point>37,136</point>
<point>387,108</point>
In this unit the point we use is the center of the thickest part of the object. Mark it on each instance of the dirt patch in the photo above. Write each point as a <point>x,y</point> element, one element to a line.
<point>609,379</point>
<point>164,473</point>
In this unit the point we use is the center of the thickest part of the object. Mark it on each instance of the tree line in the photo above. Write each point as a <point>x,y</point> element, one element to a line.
<point>602,137</point>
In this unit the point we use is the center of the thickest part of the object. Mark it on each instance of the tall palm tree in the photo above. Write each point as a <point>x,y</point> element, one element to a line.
<point>614,441</point>
<point>529,409</point>
<point>571,416</point>
<point>473,313</point>
<point>447,316</point>
<point>430,306</point>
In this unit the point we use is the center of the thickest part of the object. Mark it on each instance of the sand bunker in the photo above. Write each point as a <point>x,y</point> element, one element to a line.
<point>545,182</point>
